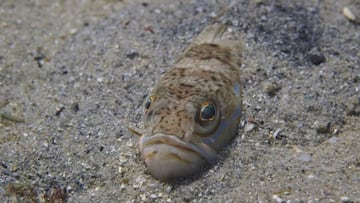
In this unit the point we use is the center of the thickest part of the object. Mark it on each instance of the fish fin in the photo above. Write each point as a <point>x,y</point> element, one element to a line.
<point>213,42</point>
<point>211,34</point>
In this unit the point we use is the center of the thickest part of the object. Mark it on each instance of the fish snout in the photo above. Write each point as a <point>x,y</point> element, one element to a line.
<point>167,157</point>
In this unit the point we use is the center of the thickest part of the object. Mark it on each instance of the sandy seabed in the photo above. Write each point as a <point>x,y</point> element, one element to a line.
<point>74,74</point>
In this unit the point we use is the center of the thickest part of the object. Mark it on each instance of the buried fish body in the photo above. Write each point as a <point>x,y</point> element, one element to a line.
<point>195,108</point>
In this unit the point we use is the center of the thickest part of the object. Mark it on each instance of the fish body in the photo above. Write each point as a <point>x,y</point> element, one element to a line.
<point>194,110</point>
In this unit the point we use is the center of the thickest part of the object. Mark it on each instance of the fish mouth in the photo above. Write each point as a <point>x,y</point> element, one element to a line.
<point>173,141</point>
<point>167,157</point>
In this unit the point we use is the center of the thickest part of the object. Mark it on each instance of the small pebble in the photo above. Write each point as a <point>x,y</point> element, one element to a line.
<point>169,189</point>
<point>68,188</point>
<point>335,131</point>
<point>75,107</point>
<point>333,139</point>
<point>311,176</point>
<point>276,133</point>
<point>129,144</point>
<point>59,110</point>
<point>278,199</point>
<point>316,58</point>
<point>329,169</point>
<point>352,12</point>
<point>73,31</point>
<point>322,127</point>
<point>120,170</point>
<point>353,106</point>
<point>122,159</point>
<point>348,14</point>
<point>305,157</point>
<point>249,127</point>
<point>100,79</point>
<point>132,54</point>
<point>345,199</point>
<point>40,60</point>
<point>270,88</point>
<point>257,108</point>
<point>143,197</point>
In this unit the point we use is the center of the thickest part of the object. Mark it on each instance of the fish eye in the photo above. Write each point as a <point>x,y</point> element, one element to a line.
<point>149,100</point>
<point>207,112</point>
<point>208,118</point>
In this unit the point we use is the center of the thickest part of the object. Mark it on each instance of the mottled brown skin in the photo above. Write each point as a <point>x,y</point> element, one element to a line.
<point>205,74</point>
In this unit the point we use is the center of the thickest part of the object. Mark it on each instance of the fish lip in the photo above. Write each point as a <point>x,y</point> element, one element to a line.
<point>202,149</point>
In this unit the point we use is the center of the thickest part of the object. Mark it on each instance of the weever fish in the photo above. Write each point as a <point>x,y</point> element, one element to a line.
<point>194,110</point>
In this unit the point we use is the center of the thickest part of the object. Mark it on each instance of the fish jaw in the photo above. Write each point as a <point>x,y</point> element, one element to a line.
<point>167,157</point>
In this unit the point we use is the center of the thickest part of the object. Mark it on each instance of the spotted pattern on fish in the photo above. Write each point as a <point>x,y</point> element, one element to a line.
<point>194,109</point>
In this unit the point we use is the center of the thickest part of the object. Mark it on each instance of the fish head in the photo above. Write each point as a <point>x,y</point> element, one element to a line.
<point>182,135</point>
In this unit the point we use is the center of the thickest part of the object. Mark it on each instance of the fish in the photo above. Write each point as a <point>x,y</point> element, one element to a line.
<point>195,108</point>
